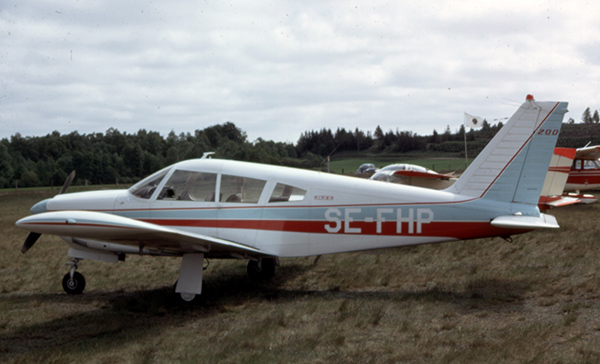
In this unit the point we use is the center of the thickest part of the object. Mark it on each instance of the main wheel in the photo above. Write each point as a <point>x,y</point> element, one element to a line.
<point>74,285</point>
<point>186,297</point>
<point>263,271</point>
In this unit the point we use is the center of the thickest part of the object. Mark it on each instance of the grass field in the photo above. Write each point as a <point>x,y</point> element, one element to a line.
<point>535,300</point>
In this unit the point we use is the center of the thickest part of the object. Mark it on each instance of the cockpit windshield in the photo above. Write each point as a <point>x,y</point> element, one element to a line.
<point>146,187</point>
<point>404,167</point>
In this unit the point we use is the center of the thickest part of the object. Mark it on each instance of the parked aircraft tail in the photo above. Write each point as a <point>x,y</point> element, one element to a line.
<point>514,164</point>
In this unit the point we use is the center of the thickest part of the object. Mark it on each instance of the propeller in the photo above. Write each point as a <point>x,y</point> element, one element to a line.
<point>32,237</point>
<point>68,182</point>
<point>29,241</point>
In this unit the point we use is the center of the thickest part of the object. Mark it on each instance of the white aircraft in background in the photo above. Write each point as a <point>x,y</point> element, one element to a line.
<point>211,208</point>
<point>411,174</point>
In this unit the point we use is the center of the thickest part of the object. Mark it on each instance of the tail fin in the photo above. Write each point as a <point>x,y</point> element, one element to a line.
<point>513,166</point>
<point>554,185</point>
<point>558,173</point>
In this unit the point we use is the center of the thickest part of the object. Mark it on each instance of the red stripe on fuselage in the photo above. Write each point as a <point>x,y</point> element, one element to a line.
<point>584,178</point>
<point>458,230</point>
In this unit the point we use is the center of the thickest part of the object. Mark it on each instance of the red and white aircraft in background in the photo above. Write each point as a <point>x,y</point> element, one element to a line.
<point>211,208</point>
<point>584,174</point>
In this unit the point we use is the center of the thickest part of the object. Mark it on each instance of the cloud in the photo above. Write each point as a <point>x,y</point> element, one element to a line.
<point>279,69</point>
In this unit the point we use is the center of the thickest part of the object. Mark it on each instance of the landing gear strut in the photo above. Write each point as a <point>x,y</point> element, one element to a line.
<point>262,269</point>
<point>73,282</point>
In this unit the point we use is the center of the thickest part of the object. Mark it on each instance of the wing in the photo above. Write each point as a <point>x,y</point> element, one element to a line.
<point>588,152</point>
<point>419,174</point>
<point>122,230</point>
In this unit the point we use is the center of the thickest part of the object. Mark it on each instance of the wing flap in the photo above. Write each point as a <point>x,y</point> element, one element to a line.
<point>123,230</point>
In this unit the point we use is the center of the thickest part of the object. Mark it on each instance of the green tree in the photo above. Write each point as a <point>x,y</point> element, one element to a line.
<point>6,170</point>
<point>29,179</point>
<point>587,116</point>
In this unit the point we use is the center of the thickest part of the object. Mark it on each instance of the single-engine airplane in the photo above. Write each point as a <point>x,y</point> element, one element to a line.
<point>212,208</point>
<point>411,174</point>
<point>585,173</point>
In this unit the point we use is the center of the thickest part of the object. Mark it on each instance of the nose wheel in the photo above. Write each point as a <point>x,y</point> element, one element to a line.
<point>73,282</point>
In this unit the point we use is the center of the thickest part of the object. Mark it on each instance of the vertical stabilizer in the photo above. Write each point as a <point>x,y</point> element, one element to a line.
<point>558,172</point>
<point>513,166</point>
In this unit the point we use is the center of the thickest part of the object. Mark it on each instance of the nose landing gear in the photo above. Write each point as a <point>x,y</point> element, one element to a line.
<point>73,282</point>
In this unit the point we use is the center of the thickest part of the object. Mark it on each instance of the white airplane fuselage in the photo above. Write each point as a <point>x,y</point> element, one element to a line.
<point>336,213</point>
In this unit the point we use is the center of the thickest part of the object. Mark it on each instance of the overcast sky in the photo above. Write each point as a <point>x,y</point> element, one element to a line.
<point>279,68</point>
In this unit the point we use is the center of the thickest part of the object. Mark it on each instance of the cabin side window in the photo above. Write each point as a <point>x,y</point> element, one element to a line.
<point>145,188</point>
<point>590,164</point>
<point>189,186</point>
<point>240,189</point>
<point>285,193</point>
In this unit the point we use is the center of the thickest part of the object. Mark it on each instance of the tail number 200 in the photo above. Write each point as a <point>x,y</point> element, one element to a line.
<point>553,132</point>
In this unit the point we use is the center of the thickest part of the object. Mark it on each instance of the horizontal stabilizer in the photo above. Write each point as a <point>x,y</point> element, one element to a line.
<point>525,222</point>
<point>583,198</point>
<point>563,201</point>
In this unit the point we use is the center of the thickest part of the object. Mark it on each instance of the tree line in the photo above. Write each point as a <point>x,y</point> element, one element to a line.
<point>117,157</point>
<point>588,118</point>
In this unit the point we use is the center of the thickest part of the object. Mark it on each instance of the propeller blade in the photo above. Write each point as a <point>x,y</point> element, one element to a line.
<point>67,182</point>
<point>29,241</point>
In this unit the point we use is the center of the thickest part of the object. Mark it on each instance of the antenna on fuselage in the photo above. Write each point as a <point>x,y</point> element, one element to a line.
<point>206,155</point>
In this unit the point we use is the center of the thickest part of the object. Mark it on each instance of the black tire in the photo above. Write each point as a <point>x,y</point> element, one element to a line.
<point>264,272</point>
<point>189,299</point>
<point>75,285</point>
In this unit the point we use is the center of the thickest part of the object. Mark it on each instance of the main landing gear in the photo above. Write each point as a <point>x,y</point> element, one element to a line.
<point>73,282</point>
<point>262,269</point>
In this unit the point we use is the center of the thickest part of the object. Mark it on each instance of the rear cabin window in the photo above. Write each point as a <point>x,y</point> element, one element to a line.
<point>240,189</point>
<point>189,186</point>
<point>287,193</point>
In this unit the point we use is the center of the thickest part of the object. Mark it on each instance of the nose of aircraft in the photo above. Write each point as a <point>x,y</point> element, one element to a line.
<point>40,207</point>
